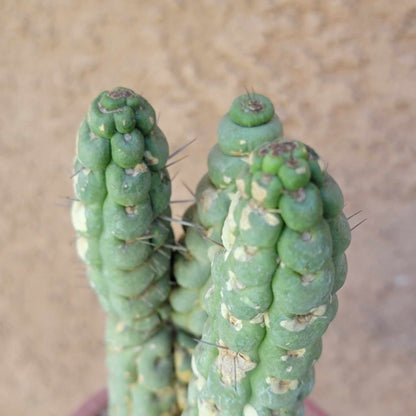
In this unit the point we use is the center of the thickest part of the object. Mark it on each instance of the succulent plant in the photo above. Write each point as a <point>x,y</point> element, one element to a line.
<point>262,257</point>
<point>122,193</point>
<point>250,122</point>
<point>274,284</point>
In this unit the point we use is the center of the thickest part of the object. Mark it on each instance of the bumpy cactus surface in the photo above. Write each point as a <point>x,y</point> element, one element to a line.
<point>264,257</point>
<point>250,122</point>
<point>122,189</point>
<point>274,284</point>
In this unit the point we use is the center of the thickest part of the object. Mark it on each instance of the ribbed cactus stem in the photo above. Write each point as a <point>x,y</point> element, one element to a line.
<point>273,286</point>
<point>122,190</point>
<point>251,121</point>
<point>250,117</point>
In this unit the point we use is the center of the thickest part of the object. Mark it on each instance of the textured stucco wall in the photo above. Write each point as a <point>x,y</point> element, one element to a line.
<point>342,77</point>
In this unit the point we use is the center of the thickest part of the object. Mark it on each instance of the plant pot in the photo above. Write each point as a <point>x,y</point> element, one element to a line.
<point>96,405</point>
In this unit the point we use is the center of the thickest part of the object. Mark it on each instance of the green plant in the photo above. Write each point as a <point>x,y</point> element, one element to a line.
<point>122,194</point>
<point>274,284</point>
<point>250,122</point>
<point>255,277</point>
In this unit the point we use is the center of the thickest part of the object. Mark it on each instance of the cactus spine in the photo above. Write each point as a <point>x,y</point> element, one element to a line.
<point>251,121</point>
<point>122,188</point>
<point>274,284</point>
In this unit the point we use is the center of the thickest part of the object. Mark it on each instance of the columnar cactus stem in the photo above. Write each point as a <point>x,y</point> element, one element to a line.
<point>264,257</point>
<point>274,284</point>
<point>250,117</point>
<point>122,188</point>
<point>251,121</point>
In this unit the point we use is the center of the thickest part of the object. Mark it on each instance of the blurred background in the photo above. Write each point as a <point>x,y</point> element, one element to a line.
<point>342,77</point>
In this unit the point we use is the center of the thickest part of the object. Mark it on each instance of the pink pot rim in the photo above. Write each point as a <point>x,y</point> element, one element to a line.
<point>93,405</point>
<point>98,402</point>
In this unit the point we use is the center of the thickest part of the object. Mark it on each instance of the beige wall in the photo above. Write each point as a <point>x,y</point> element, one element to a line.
<point>342,77</point>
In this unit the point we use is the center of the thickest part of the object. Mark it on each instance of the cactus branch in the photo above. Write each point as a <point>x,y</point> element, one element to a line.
<point>122,190</point>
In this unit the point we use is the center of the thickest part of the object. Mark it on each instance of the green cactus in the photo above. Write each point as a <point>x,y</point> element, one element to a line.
<point>122,189</point>
<point>273,286</point>
<point>264,257</point>
<point>251,121</point>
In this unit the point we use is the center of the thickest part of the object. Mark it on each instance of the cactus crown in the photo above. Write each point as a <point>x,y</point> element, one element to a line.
<point>251,110</point>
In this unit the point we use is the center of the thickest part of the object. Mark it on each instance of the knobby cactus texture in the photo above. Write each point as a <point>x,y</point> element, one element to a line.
<point>192,266</point>
<point>250,122</point>
<point>122,193</point>
<point>273,287</point>
<point>256,279</point>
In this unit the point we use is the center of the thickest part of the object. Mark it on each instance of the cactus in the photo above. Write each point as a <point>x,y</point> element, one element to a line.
<point>263,258</point>
<point>250,122</point>
<point>274,284</point>
<point>122,189</point>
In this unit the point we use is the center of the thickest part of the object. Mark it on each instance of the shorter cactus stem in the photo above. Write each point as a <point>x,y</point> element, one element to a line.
<point>251,114</point>
<point>274,283</point>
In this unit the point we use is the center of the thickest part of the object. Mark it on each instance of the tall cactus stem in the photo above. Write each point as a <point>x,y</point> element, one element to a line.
<point>123,190</point>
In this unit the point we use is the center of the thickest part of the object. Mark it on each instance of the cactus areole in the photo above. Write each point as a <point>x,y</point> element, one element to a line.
<point>254,280</point>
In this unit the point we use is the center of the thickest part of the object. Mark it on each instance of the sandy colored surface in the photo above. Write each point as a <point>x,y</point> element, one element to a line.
<point>342,77</point>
